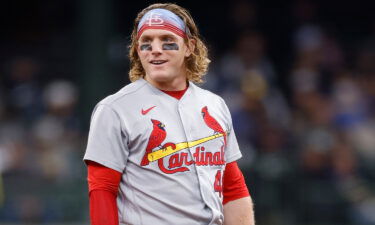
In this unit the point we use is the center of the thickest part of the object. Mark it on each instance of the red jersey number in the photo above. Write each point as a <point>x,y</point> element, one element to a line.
<point>218,185</point>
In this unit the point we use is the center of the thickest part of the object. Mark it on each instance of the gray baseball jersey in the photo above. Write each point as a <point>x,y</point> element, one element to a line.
<point>171,153</point>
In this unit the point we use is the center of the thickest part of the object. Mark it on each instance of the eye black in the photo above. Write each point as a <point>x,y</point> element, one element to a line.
<point>170,46</point>
<point>146,47</point>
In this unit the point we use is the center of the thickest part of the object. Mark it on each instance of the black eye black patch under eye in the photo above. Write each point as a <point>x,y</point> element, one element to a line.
<point>170,46</point>
<point>146,47</point>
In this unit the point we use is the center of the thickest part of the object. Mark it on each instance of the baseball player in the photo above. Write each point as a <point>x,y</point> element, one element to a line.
<point>162,150</point>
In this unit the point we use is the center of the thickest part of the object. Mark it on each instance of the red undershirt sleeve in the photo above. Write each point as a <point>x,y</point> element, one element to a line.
<point>234,186</point>
<point>103,188</point>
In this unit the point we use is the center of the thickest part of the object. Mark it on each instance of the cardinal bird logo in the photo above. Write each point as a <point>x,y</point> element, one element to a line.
<point>157,136</point>
<point>213,124</point>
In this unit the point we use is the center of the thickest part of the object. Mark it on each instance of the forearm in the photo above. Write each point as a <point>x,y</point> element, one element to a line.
<point>239,212</point>
<point>103,208</point>
<point>103,187</point>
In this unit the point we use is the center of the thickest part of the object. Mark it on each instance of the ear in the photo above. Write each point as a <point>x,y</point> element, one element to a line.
<point>190,47</point>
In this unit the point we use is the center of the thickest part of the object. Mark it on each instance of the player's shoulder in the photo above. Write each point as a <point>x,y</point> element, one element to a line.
<point>125,94</point>
<point>208,95</point>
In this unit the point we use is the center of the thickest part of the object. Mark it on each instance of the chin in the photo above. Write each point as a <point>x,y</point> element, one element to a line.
<point>160,77</point>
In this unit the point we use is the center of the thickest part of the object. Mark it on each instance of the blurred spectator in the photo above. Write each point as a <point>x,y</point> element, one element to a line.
<point>57,132</point>
<point>242,16</point>
<point>23,89</point>
<point>248,54</point>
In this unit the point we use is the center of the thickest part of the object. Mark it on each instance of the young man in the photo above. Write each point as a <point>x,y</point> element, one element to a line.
<point>162,150</point>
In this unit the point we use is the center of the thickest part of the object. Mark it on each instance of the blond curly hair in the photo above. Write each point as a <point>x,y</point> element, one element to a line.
<point>196,64</point>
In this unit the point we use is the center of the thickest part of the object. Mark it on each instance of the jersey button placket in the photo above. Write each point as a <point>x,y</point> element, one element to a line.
<point>186,126</point>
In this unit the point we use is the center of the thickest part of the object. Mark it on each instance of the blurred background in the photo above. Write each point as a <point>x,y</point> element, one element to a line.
<point>298,77</point>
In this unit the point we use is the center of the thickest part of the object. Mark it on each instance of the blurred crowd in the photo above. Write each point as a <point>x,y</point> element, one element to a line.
<point>306,131</point>
<point>309,157</point>
<point>309,145</point>
<point>41,144</point>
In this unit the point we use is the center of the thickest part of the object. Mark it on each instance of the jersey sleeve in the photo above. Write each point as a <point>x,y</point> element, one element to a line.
<point>232,150</point>
<point>106,143</point>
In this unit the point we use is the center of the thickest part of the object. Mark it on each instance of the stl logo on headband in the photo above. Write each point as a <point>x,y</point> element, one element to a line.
<point>162,19</point>
<point>155,19</point>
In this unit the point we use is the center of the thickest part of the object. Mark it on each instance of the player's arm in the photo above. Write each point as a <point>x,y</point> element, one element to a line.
<point>239,212</point>
<point>238,206</point>
<point>103,188</point>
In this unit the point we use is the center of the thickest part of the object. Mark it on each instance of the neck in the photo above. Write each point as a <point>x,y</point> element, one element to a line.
<point>177,84</point>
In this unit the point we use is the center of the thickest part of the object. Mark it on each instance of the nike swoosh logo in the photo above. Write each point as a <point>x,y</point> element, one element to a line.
<point>144,112</point>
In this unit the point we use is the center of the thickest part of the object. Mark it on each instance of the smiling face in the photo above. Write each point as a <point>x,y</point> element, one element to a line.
<point>162,54</point>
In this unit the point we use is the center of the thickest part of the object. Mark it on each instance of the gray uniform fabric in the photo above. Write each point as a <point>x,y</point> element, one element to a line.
<point>182,188</point>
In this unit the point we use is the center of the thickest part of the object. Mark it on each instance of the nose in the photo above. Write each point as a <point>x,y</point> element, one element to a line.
<point>156,47</point>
